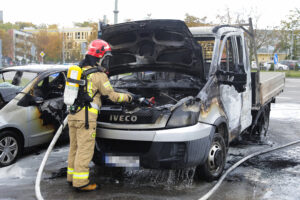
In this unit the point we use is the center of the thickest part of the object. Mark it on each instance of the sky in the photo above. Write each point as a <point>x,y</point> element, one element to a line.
<point>65,12</point>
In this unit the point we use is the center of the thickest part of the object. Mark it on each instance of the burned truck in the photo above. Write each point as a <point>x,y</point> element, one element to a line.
<point>204,96</point>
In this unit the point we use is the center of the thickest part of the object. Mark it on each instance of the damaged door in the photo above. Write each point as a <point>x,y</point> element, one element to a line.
<point>232,62</point>
<point>44,107</point>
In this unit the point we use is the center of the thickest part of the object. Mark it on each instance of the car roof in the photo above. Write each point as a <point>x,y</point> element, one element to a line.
<point>37,68</point>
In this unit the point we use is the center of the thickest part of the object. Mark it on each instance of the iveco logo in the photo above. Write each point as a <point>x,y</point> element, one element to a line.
<point>123,118</point>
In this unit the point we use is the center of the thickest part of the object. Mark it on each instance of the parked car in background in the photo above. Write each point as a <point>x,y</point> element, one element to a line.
<point>267,65</point>
<point>281,67</point>
<point>253,65</point>
<point>31,107</point>
<point>292,64</point>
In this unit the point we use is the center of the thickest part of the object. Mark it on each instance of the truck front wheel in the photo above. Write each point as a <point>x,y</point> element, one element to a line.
<point>214,165</point>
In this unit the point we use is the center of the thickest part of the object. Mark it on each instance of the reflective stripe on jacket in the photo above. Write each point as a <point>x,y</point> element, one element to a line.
<point>99,82</point>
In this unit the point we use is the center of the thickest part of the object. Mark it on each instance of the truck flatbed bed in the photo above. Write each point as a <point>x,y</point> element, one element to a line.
<point>271,85</point>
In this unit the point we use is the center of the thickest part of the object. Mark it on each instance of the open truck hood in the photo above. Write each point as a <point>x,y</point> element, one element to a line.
<point>158,45</point>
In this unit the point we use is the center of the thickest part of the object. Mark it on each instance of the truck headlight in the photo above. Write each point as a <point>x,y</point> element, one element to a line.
<point>184,116</point>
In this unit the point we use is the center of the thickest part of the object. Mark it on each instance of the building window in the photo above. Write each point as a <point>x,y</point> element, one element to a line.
<point>77,35</point>
<point>70,45</point>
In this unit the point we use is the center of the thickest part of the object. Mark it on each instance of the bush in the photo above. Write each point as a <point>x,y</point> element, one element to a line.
<point>272,67</point>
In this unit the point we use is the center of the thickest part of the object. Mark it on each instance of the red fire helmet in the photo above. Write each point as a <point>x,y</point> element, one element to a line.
<point>98,48</point>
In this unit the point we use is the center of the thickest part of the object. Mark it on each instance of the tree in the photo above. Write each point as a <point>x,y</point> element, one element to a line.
<point>6,42</point>
<point>7,26</point>
<point>84,24</point>
<point>22,25</point>
<point>192,21</point>
<point>263,37</point>
<point>290,33</point>
<point>50,43</point>
<point>53,26</point>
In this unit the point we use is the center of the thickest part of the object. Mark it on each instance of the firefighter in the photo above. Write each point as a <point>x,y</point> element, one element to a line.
<point>82,140</point>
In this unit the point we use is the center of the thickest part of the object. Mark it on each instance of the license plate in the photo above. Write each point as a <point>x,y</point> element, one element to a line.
<point>122,161</point>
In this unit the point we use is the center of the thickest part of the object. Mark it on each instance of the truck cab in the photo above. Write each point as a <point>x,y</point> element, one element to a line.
<point>201,81</point>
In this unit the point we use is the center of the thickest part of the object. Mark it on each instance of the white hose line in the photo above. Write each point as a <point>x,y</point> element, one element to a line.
<point>39,174</point>
<point>214,189</point>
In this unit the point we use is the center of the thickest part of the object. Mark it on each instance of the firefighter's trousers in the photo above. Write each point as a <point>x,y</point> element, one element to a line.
<point>82,143</point>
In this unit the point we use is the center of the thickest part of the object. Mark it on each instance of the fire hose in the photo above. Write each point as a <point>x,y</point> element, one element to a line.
<point>40,172</point>
<point>53,142</point>
<point>217,185</point>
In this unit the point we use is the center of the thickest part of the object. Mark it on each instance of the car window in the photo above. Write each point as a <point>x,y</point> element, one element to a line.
<point>51,86</point>
<point>16,79</point>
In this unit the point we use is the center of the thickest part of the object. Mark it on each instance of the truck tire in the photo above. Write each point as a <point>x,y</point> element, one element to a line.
<point>263,123</point>
<point>10,148</point>
<point>214,165</point>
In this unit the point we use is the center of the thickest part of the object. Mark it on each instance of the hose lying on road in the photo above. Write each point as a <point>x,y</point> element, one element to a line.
<point>39,174</point>
<point>214,189</point>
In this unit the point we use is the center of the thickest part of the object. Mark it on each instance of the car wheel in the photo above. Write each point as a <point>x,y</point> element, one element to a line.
<point>214,165</point>
<point>10,148</point>
<point>280,68</point>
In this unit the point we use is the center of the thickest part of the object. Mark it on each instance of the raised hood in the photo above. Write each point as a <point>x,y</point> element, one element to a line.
<point>161,45</point>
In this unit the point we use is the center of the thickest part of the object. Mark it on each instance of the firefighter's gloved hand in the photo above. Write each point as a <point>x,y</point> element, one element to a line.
<point>135,98</point>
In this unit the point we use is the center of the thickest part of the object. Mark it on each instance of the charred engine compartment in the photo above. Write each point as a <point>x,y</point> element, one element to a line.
<point>169,91</point>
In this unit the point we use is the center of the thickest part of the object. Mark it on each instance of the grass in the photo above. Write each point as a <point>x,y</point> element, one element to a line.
<point>292,74</point>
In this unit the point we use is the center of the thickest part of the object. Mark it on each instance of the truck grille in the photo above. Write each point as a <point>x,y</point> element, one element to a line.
<point>112,115</point>
<point>123,146</point>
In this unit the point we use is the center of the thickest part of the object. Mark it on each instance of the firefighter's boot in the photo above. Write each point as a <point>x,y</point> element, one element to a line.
<point>89,187</point>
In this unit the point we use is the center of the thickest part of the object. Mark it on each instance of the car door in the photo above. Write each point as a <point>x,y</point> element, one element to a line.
<point>46,98</point>
<point>232,59</point>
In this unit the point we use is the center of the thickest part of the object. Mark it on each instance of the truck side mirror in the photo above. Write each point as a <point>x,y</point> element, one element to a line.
<point>237,80</point>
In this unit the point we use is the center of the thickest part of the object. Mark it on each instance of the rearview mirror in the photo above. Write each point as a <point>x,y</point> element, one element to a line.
<point>237,80</point>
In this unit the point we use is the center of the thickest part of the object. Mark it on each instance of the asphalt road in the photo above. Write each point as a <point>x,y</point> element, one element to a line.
<point>271,176</point>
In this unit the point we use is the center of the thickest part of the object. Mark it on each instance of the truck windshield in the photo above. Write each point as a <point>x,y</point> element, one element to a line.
<point>155,79</point>
<point>207,44</point>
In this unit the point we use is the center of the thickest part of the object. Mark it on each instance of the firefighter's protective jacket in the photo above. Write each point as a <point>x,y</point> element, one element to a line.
<point>98,82</point>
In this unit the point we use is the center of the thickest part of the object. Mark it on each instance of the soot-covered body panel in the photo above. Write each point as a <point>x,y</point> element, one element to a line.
<point>154,44</point>
<point>163,60</point>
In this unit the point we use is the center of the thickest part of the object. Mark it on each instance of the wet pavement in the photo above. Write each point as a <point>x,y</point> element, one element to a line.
<point>273,175</point>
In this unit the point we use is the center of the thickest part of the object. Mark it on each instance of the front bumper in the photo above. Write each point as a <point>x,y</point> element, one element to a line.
<point>158,149</point>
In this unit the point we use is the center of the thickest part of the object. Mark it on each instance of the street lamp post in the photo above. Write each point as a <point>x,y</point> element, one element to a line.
<point>63,46</point>
<point>116,12</point>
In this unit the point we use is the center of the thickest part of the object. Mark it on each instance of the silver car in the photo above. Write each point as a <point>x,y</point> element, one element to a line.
<point>31,107</point>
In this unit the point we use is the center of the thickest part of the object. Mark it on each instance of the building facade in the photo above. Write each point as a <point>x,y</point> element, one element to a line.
<point>75,42</point>
<point>23,50</point>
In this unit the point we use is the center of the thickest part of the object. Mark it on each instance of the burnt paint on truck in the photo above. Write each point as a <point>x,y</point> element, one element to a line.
<point>198,95</point>
<point>204,105</point>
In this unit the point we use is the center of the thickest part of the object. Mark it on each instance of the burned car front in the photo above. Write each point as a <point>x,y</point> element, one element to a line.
<point>159,60</point>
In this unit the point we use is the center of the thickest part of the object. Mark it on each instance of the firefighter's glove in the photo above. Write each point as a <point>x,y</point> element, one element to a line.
<point>134,98</point>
